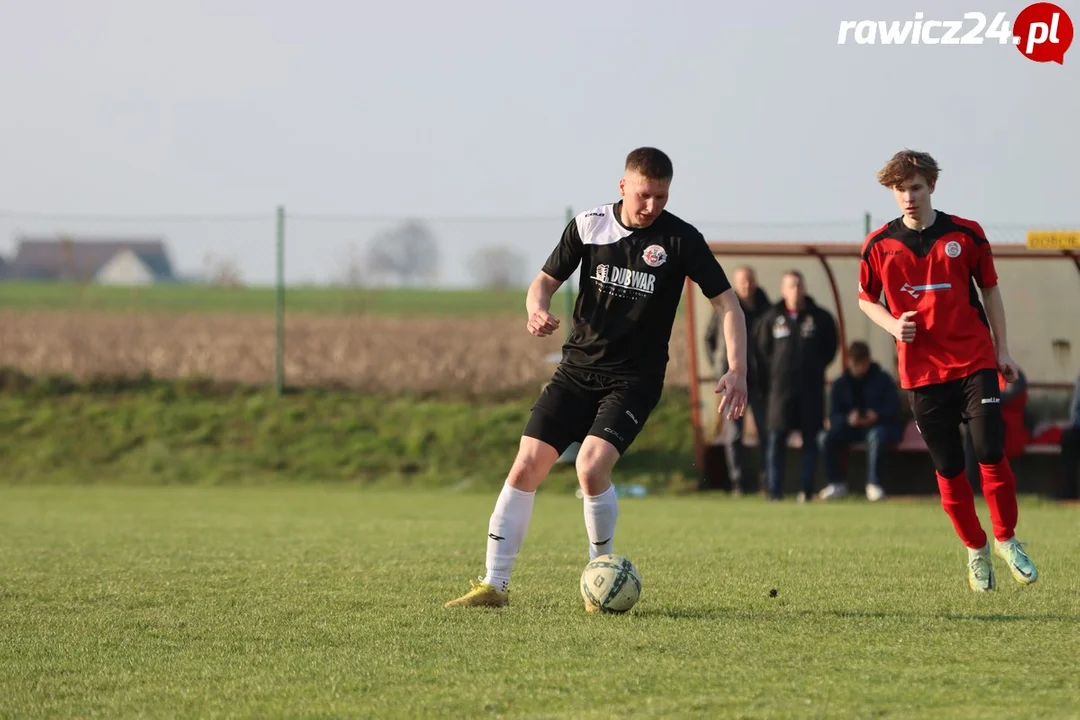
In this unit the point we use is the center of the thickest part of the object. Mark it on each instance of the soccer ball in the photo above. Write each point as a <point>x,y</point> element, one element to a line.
<point>612,583</point>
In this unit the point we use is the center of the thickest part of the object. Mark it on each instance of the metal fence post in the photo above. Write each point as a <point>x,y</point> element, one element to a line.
<point>279,302</point>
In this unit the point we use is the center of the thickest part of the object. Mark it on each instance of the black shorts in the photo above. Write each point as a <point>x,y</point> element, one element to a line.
<point>577,403</point>
<point>940,409</point>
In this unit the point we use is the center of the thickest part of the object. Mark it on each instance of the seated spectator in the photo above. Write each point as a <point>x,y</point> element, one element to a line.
<point>1014,398</point>
<point>864,406</point>
<point>1070,450</point>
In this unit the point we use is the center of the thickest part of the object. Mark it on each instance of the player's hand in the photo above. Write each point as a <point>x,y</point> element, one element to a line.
<point>904,327</point>
<point>871,418</point>
<point>542,323</point>
<point>733,395</point>
<point>1008,367</point>
<point>854,419</point>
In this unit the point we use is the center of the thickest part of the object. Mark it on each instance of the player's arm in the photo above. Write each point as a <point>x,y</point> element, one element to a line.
<point>701,266</point>
<point>559,266</point>
<point>734,323</point>
<point>732,385</point>
<point>880,315</point>
<point>995,315</point>
<point>985,275</point>
<point>538,305</point>
<point>902,328</point>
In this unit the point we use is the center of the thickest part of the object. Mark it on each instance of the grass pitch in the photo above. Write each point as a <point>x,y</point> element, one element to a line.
<point>317,602</point>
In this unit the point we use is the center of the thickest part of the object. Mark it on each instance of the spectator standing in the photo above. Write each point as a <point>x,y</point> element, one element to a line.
<point>794,341</point>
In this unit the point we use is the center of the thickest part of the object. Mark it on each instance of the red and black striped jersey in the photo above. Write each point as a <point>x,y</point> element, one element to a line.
<point>934,272</point>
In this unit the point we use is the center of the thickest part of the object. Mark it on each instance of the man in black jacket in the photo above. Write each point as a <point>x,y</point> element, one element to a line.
<point>754,302</point>
<point>864,406</point>
<point>1070,449</point>
<point>795,340</point>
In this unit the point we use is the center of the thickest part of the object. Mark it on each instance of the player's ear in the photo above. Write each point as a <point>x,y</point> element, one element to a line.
<point>622,186</point>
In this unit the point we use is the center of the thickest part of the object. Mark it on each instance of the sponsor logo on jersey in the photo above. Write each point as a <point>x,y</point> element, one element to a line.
<point>611,276</point>
<point>655,256</point>
<point>991,401</point>
<point>917,290</point>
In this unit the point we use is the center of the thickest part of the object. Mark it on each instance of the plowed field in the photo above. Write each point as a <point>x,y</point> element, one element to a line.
<point>378,353</point>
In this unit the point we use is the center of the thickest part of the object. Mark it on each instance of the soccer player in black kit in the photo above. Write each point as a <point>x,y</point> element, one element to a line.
<point>635,258</point>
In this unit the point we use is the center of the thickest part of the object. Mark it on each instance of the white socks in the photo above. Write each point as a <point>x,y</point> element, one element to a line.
<point>601,512</point>
<point>506,534</point>
<point>510,520</point>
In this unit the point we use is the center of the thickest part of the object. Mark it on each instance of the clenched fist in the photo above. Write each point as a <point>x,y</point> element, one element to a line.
<point>542,323</point>
<point>904,327</point>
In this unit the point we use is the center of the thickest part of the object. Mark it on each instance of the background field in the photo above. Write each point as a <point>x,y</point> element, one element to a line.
<point>377,341</point>
<point>207,298</point>
<point>322,601</point>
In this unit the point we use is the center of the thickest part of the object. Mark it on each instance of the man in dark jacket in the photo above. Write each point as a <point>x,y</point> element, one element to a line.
<point>754,302</point>
<point>795,340</point>
<point>864,406</point>
<point>1070,449</point>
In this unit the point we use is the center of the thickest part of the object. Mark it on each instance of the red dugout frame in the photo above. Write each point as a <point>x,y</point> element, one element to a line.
<point>822,253</point>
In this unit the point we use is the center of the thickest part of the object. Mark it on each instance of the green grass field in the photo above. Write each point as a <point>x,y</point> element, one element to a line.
<point>327,602</point>
<point>320,300</point>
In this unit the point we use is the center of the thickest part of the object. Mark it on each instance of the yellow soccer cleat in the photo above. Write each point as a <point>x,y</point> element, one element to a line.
<point>482,594</point>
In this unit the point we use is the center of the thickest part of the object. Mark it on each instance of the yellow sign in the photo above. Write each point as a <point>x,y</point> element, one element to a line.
<point>1053,240</point>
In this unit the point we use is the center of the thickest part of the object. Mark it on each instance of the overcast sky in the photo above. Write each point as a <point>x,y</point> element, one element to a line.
<point>507,109</point>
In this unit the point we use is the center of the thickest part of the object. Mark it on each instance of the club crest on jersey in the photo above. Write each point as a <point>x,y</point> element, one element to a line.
<point>952,249</point>
<point>655,256</point>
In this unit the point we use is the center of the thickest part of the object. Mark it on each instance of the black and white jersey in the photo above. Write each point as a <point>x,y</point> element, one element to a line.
<point>630,284</point>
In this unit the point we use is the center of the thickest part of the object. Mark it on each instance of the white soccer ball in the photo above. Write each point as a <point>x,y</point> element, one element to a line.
<point>612,583</point>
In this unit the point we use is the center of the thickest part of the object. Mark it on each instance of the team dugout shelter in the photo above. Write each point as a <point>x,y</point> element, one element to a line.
<point>1041,292</point>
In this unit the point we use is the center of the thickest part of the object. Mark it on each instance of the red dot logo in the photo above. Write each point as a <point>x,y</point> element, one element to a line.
<point>1043,32</point>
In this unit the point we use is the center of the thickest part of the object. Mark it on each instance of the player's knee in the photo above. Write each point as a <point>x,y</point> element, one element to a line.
<point>950,461</point>
<point>988,453</point>
<point>987,439</point>
<point>593,470</point>
<point>530,468</point>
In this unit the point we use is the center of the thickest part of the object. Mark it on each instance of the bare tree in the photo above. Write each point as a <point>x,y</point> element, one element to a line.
<point>407,253</point>
<point>221,271</point>
<point>497,267</point>
<point>349,268</point>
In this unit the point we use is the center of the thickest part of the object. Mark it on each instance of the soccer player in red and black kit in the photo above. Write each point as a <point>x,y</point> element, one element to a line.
<point>928,264</point>
<point>634,258</point>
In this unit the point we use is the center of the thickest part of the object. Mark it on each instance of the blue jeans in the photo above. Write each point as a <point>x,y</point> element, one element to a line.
<point>876,438</point>
<point>776,459</point>
<point>735,451</point>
